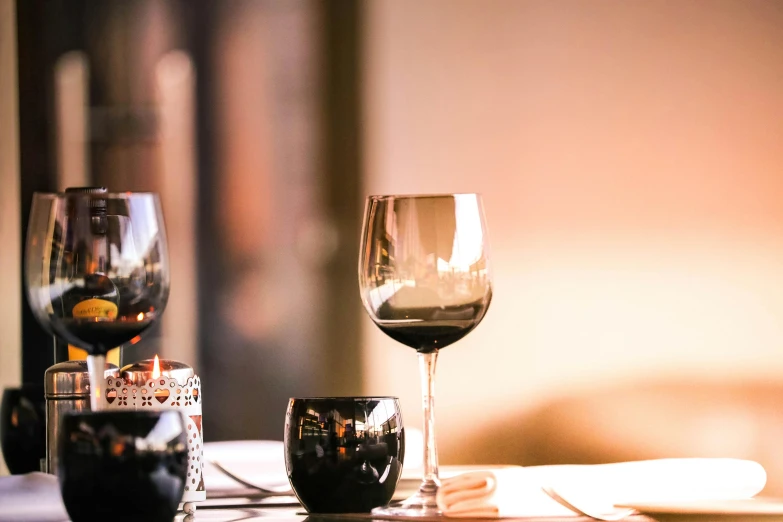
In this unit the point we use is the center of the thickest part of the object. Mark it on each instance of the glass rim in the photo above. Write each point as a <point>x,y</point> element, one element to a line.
<point>377,197</point>
<point>346,398</point>
<point>96,195</point>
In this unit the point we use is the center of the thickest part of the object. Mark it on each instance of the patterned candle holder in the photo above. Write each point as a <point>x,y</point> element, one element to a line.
<point>165,385</point>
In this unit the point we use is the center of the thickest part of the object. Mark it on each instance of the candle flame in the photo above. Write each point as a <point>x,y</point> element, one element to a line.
<point>156,368</point>
<point>140,317</point>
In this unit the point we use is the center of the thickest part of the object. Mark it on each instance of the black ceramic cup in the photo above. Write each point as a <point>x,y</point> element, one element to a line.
<point>23,428</point>
<point>123,466</point>
<point>344,454</point>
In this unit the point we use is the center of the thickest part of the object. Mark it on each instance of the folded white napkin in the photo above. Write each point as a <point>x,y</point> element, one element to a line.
<point>516,492</point>
<point>34,497</point>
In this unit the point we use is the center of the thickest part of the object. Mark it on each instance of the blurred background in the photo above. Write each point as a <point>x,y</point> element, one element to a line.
<point>629,155</point>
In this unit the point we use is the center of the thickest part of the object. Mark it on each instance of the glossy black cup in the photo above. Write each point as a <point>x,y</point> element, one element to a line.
<point>344,454</point>
<point>123,466</point>
<point>23,428</point>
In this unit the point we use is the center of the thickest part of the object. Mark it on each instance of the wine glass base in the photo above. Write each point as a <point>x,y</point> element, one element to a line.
<point>416,506</point>
<point>406,512</point>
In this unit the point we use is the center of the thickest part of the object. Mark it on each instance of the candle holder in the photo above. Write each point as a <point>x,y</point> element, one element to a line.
<point>165,385</point>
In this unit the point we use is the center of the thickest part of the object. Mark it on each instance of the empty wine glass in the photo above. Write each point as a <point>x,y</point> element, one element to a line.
<point>425,281</point>
<point>96,269</point>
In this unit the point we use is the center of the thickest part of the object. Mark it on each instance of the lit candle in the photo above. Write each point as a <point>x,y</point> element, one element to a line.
<point>139,373</point>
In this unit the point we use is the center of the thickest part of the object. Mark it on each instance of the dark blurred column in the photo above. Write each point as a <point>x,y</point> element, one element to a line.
<point>342,160</point>
<point>36,57</point>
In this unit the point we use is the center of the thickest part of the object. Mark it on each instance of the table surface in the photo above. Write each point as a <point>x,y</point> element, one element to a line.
<point>242,505</point>
<point>277,509</point>
<point>286,509</point>
<point>289,514</point>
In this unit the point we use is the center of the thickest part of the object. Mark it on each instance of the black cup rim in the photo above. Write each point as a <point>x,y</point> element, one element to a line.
<point>347,398</point>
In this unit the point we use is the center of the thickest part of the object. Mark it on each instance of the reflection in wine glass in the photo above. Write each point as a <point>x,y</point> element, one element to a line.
<point>425,281</point>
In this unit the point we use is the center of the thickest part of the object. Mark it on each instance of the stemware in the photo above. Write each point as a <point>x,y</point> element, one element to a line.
<point>97,271</point>
<point>425,281</point>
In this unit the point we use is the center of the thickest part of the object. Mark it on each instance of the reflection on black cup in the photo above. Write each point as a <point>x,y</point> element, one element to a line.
<point>344,454</point>
<point>23,428</point>
<point>123,466</point>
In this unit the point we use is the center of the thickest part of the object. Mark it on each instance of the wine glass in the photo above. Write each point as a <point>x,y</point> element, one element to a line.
<point>97,270</point>
<point>425,281</point>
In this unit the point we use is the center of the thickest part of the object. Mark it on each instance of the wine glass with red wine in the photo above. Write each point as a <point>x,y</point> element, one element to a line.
<point>425,281</point>
<point>97,270</point>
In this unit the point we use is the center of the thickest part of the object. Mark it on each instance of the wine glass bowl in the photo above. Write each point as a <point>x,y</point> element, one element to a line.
<point>424,273</point>
<point>96,268</point>
<point>425,281</point>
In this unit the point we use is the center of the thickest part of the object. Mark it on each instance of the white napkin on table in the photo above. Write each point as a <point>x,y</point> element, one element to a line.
<point>516,492</point>
<point>259,462</point>
<point>34,497</point>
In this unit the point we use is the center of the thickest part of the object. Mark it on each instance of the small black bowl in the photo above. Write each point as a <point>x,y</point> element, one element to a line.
<point>123,466</point>
<point>23,428</point>
<point>344,454</point>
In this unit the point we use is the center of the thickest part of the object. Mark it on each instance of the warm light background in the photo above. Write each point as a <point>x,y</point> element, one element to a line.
<point>630,156</point>
<point>631,159</point>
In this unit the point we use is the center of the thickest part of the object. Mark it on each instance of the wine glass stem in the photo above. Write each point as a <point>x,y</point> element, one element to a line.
<point>96,365</point>
<point>431,482</point>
